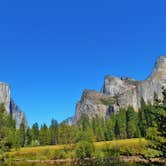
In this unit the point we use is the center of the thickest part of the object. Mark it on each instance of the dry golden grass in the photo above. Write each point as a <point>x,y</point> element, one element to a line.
<point>41,148</point>
<point>121,143</point>
<point>98,145</point>
<point>45,152</point>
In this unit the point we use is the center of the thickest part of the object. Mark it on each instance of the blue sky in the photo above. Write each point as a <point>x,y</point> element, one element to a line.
<point>51,50</point>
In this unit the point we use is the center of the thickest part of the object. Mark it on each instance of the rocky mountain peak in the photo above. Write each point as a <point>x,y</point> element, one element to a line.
<point>10,107</point>
<point>5,95</point>
<point>122,92</point>
<point>160,61</point>
<point>159,72</point>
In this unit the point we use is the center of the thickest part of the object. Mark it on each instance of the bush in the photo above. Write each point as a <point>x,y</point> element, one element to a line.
<point>107,101</point>
<point>46,153</point>
<point>59,154</point>
<point>111,151</point>
<point>84,149</point>
<point>98,154</point>
<point>151,153</point>
<point>132,149</point>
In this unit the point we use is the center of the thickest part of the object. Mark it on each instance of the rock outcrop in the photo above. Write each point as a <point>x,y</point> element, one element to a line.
<point>10,107</point>
<point>94,103</point>
<point>122,92</point>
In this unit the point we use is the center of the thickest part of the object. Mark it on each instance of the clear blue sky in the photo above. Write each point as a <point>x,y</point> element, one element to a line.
<point>51,50</point>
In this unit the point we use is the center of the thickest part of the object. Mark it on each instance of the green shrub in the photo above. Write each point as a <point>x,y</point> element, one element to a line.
<point>98,154</point>
<point>111,151</point>
<point>132,149</point>
<point>84,149</point>
<point>107,101</point>
<point>59,154</point>
<point>151,153</point>
<point>46,153</point>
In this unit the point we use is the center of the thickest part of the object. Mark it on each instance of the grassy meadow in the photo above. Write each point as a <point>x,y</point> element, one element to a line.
<point>128,147</point>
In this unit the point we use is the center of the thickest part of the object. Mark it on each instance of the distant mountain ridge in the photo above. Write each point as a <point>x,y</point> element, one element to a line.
<point>11,108</point>
<point>121,92</point>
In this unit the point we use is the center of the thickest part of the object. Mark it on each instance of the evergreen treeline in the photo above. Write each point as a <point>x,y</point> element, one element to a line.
<point>148,122</point>
<point>121,126</point>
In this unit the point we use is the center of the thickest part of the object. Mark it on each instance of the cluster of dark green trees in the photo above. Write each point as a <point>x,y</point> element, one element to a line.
<point>149,122</point>
<point>7,130</point>
<point>120,126</point>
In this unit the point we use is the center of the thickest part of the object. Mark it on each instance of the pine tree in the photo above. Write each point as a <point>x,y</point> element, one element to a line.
<point>35,132</point>
<point>142,116</point>
<point>63,134</point>
<point>44,135</point>
<point>22,132</point>
<point>16,140</point>
<point>7,130</point>
<point>54,132</point>
<point>121,124</point>
<point>145,118</point>
<point>67,134</point>
<point>84,122</point>
<point>98,128</point>
<point>132,123</point>
<point>28,137</point>
<point>117,131</point>
<point>87,135</point>
<point>157,133</point>
<point>110,129</point>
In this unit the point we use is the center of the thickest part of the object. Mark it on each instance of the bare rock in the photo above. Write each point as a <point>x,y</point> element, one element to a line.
<point>122,92</point>
<point>10,107</point>
<point>94,104</point>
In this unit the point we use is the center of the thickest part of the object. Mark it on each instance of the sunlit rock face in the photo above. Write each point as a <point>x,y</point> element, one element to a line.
<point>154,82</point>
<point>122,92</point>
<point>5,95</point>
<point>10,107</point>
<point>94,104</point>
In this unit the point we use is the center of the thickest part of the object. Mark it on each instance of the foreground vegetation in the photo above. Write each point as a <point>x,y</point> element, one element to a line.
<point>128,147</point>
<point>122,134</point>
<point>104,153</point>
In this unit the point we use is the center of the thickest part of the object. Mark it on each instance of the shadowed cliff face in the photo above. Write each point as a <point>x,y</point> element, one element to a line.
<point>17,114</point>
<point>122,92</point>
<point>10,106</point>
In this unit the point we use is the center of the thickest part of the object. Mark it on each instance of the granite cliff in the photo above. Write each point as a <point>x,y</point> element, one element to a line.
<point>122,92</point>
<point>10,107</point>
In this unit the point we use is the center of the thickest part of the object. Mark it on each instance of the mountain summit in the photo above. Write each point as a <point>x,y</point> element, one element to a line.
<point>10,107</point>
<point>122,92</point>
